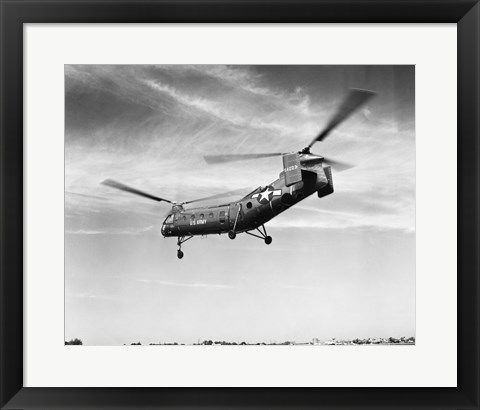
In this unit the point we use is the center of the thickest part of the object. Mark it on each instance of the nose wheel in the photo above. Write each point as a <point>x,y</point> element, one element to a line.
<point>181,239</point>
<point>263,235</point>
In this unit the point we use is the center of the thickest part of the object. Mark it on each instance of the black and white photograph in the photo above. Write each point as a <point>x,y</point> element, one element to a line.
<point>240,205</point>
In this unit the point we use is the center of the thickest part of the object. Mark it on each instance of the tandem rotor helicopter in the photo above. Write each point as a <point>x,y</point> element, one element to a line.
<point>303,174</point>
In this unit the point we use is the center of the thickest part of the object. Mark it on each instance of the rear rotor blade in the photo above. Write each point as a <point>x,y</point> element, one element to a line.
<point>122,187</point>
<point>222,195</point>
<point>355,99</point>
<point>338,166</point>
<point>217,159</point>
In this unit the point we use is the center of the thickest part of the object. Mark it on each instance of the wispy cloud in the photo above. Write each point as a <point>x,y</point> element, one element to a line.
<point>112,231</point>
<point>218,110</point>
<point>245,79</point>
<point>86,196</point>
<point>184,284</point>
<point>90,296</point>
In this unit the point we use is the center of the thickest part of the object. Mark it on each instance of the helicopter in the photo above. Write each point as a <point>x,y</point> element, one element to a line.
<point>303,174</point>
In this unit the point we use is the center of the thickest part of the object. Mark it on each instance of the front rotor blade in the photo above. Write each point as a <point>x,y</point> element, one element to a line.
<point>338,166</point>
<point>355,99</point>
<point>122,187</point>
<point>222,195</point>
<point>217,159</point>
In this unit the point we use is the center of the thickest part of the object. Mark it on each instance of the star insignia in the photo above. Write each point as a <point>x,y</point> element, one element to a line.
<point>267,194</point>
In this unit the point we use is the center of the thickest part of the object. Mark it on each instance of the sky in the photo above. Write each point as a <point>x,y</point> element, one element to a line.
<point>342,266</point>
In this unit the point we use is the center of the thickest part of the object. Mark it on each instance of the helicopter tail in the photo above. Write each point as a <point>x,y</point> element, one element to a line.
<point>327,189</point>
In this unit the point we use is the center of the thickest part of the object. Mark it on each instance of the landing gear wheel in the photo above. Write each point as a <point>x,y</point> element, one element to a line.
<point>261,235</point>
<point>232,234</point>
<point>181,239</point>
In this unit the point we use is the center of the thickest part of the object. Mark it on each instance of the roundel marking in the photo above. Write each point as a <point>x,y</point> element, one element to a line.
<point>267,194</point>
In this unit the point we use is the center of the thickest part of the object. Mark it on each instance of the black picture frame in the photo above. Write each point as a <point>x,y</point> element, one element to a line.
<point>14,13</point>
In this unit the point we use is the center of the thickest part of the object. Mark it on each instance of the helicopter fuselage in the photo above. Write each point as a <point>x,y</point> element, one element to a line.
<point>256,208</point>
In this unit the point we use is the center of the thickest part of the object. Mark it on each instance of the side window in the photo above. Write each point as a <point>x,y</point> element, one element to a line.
<point>222,217</point>
<point>192,217</point>
<point>201,216</point>
<point>210,215</point>
<point>184,218</point>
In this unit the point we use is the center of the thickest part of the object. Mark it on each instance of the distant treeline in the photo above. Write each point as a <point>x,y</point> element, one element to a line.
<point>224,343</point>
<point>389,340</point>
<point>74,342</point>
<point>216,343</point>
<point>368,341</point>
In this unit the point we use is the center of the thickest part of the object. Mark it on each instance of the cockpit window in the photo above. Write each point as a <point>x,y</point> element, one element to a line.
<point>169,219</point>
